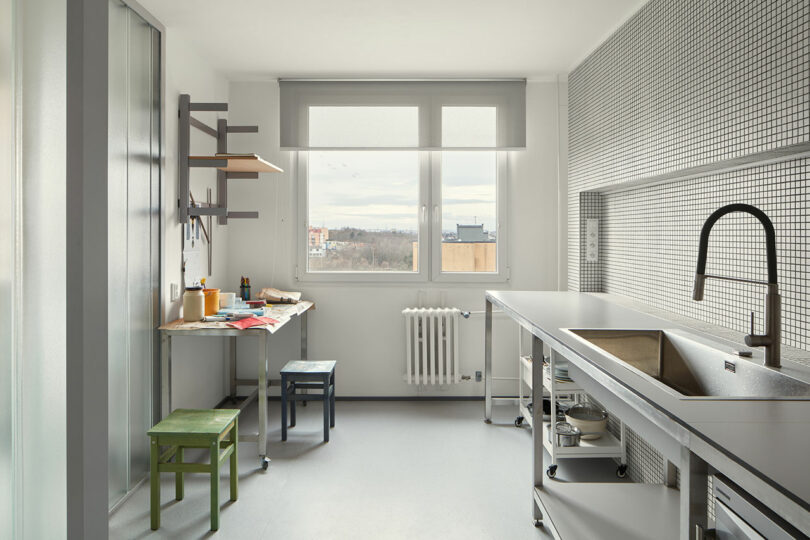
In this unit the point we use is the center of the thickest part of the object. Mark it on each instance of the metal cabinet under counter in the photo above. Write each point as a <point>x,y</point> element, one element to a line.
<point>695,436</point>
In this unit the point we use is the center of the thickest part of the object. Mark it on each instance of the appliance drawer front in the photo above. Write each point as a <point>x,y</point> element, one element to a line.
<point>730,526</point>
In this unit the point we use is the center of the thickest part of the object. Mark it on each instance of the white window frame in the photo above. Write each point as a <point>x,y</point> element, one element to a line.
<point>502,272</point>
<point>430,236</point>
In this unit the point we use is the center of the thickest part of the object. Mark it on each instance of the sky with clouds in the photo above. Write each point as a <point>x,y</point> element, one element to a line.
<point>380,189</point>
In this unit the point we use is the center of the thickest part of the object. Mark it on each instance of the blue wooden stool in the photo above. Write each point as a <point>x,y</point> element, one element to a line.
<point>310,374</point>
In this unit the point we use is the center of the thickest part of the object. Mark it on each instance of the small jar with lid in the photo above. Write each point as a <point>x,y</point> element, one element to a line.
<point>193,304</point>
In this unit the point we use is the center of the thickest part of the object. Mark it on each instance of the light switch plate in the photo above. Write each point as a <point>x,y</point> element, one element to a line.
<point>592,240</point>
<point>175,291</point>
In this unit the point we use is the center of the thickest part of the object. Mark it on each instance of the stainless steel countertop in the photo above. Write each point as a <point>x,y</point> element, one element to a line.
<point>769,439</point>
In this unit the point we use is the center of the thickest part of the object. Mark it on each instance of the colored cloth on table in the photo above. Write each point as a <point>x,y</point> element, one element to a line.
<point>251,322</point>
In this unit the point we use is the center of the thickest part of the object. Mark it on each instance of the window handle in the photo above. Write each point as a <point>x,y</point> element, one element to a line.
<point>423,213</point>
<point>436,214</point>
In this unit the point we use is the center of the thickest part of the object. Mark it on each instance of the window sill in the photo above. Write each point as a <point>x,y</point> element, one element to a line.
<point>400,277</point>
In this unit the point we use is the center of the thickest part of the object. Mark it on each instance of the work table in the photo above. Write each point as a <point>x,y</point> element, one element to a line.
<point>281,313</point>
<point>763,445</point>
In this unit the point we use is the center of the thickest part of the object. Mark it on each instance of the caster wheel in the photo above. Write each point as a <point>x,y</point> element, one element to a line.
<point>621,471</point>
<point>538,523</point>
<point>551,472</point>
<point>265,461</point>
<point>519,421</point>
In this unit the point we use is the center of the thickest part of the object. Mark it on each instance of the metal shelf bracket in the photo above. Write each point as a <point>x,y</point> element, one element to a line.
<point>185,208</point>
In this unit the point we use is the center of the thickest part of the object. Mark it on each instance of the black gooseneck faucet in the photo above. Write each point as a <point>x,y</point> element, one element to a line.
<point>772,339</point>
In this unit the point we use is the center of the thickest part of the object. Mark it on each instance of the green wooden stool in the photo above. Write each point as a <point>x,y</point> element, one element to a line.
<point>194,428</point>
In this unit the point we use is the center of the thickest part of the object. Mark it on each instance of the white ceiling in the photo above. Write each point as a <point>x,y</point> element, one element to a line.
<point>388,38</point>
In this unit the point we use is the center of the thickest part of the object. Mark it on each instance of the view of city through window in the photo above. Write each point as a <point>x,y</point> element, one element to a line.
<point>364,211</point>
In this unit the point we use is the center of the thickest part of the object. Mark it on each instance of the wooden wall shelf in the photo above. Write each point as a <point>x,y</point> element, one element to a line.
<point>240,163</point>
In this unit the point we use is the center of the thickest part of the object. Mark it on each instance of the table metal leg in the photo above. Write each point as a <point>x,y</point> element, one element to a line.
<point>262,400</point>
<point>537,421</point>
<point>232,360</point>
<point>332,402</point>
<point>304,335</point>
<point>326,403</point>
<point>694,495</point>
<point>165,374</point>
<point>488,363</point>
<point>284,407</point>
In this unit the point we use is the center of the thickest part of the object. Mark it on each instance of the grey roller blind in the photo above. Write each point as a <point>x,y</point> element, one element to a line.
<point>403,114</point>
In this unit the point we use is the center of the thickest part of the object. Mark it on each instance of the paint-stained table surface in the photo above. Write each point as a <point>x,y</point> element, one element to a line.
<point>283,313</point>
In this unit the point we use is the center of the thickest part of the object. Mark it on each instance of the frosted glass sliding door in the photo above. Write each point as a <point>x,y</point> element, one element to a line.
<point>118,455</point>
<point>134,182</point>
<point>139,243</point>
<point>8,228</point>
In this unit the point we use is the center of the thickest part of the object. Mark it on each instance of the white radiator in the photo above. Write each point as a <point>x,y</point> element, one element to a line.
<point>431,345</point>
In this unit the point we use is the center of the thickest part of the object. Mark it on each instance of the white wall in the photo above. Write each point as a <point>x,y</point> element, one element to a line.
<point>198,364</point>
<point>360,325</point>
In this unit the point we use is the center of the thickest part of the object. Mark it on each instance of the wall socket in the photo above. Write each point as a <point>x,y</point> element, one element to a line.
<point>592,240</point>
<point>174,289</point>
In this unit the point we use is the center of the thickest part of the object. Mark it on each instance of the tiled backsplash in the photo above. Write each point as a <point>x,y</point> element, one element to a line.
<point>650,241</point>
<point>661,117</point>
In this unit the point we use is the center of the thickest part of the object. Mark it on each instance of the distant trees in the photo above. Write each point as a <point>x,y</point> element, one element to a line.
<point>362,250</point>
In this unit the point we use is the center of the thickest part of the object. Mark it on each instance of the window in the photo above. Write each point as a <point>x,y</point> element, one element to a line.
<point>469,212</point>
<point>404,214</point>
<point>363,211</point>
<point>402,180</point>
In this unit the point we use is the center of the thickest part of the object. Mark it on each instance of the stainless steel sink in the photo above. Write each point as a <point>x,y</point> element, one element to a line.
<point>694,369</point>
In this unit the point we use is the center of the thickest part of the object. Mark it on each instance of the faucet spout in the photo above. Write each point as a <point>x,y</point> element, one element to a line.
<point>771,340</point>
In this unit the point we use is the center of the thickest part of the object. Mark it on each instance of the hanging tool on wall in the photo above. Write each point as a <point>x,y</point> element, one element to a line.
<point>196,218</point>
<point>210,229</point>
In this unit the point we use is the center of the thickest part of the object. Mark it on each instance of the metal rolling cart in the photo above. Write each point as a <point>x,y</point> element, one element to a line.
<point>606,446</point>
<point>524,381</point>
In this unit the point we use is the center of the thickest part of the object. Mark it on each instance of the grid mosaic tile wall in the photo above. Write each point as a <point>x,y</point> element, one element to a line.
<point>683,86</point>
<point>650,241</point>
<point>687,83</point>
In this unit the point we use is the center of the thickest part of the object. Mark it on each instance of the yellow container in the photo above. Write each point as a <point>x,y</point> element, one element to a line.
<point>211,301</point>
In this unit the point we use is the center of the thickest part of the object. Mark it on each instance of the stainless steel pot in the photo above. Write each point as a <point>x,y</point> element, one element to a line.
<point>566,434</point>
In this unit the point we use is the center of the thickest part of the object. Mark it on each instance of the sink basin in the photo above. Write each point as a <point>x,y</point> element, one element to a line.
<point>694,369</point>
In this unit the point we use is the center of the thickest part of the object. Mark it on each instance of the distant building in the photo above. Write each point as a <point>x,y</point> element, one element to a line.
<point>337,245</point>
<point>472,249</point>
<point>472,233</point>
<point>318,237</point>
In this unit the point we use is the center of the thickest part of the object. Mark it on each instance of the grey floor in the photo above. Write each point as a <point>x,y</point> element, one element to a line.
<point>392,470</point>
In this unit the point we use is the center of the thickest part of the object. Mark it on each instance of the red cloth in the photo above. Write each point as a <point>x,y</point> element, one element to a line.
<point>251,322</point>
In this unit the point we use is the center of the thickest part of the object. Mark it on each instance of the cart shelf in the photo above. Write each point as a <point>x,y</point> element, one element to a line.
<point>561,387</point>
<point>606,446</point>
<point>609,510</point>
